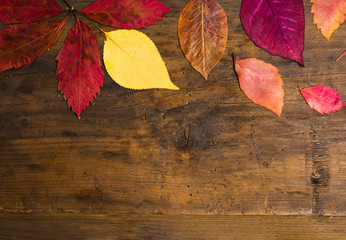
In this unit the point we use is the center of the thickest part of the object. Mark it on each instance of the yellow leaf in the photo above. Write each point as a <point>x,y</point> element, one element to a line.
<point>133,61</point>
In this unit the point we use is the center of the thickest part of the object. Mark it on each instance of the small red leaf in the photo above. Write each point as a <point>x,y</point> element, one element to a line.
<point>126,14</point>
<point>276,26</point>
<point>261,83</point>
<point>79,67</point>
<point>25,11</point>
<point>21,44</point>
<point>322,98</point>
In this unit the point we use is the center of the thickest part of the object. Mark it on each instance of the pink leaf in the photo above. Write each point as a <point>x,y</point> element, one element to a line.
<point>25,11</point>
<point>79,67</point>
<point>322,98</point>
<point>126,14</point>
<point>261,83</point>
<point>23,43</point>
<point>277,26</point>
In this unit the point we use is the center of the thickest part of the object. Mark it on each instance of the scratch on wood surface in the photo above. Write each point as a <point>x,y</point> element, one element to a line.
<point>97,185</point>
<point>320,170</point>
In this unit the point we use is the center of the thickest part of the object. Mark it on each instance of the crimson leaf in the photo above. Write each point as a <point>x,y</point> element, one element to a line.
<point>79,67</point>
<point>25,11</point>
<point>323,99</point>
<point>277,26</point>
<point>126,14</point>
<point>21,44</point>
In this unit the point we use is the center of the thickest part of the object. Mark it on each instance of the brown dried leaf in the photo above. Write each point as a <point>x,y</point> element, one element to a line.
<point>202,30</point>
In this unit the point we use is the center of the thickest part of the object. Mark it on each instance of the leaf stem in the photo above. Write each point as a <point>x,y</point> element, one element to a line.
<point>92,22</point>
<point>69,5</point>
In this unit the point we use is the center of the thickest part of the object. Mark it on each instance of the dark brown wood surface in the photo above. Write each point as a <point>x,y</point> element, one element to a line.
<point>143,226</point>
<point>198,153</point>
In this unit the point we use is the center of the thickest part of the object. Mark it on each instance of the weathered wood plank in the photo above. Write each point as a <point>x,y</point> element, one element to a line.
<point>75,226</point>
<point>205,149</point>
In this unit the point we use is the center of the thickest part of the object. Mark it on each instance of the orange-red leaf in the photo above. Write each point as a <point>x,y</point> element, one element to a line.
<point>328,15</point>
<point>25,11</point>
<point>261,83</point>
<point>21,44</point>
<point>79,67</point>
<point>202,30</point>
<point>341,56</point>
<point>322,98</point>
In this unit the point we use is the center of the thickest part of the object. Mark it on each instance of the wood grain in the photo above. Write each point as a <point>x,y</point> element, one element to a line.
<point>143,226</point>
<point>205,149</point>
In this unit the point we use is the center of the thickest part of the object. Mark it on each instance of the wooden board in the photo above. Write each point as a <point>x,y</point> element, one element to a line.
<point>143,226</point>
<point>205,149</point>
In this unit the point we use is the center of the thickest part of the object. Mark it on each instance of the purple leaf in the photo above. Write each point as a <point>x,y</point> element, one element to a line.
<point>277,26</point>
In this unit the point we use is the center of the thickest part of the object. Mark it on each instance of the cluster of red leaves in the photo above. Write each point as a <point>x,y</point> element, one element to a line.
<point>274,25</point>
<point>79,65</point>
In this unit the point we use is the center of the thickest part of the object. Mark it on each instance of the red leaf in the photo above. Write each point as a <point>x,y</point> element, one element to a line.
<point>79,67</point>
<point>322,98</point>
<point>341,56</point>
<point>276,26</point>
<point>202,30</point>
<point>21,44</point>
<point>25,11</point>
<point>126,14</point>
<point>261,83</point>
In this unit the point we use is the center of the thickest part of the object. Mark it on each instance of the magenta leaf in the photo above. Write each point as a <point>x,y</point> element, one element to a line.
<point>277,26</point>
<point>322,98</point>
<point>79,67</point>
<point>22,43</point>
<point>126,14</point>
<point>25,11</point>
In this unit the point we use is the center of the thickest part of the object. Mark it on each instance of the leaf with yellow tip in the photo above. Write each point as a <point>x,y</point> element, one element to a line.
<point>134,62</point>
<point>328,15</point>
<point>341,56</point>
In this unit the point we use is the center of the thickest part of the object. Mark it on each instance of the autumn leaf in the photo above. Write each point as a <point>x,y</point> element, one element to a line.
<point>25,11</point>
<point>261,83</point>
<point>202,30</point>
<point>275,26</point>
<point>341,56</point>
<point>133,61</point>
<point>328,15</point>
<point>22,43</point>
<point>322,98</point>
<point>126,14</point>
<point>79,67</point>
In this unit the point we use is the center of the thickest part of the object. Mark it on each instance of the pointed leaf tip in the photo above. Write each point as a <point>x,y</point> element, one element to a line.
<point>133,61</point>
<point>79,68</point>
<point>323,99</point>
<point>341,56</point>
<point>276,26</point>
<point>202,30</point>
<point>261,83</point>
